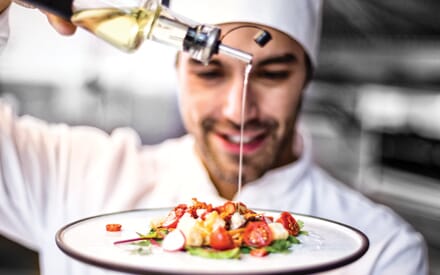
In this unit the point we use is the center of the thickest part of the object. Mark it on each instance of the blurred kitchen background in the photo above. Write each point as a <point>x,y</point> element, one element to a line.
<point>373,110</point>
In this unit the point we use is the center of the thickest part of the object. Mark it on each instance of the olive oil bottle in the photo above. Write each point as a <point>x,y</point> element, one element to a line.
<point>125,28</point>
<point>125,24</point>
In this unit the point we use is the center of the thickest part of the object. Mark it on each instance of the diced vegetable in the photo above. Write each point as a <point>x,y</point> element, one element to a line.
<point>214,254</point>
<point>174,241</point>
<point>278,231</point>
<point>220,239</point>
<point>113,227</point>
<point>259,252</point>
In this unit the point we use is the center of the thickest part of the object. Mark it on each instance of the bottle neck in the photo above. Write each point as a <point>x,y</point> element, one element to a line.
<point>200,41</point>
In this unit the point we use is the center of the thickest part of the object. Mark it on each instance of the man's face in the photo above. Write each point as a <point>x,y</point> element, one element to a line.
<point>211,104</point>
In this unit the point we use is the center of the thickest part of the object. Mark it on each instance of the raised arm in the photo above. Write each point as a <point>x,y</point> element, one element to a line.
<point>60,25</point>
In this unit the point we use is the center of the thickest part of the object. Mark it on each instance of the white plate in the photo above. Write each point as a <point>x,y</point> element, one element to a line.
<point>329,245</point>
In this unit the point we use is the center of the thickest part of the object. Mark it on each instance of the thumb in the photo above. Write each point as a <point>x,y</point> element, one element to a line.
<point>60,25</point>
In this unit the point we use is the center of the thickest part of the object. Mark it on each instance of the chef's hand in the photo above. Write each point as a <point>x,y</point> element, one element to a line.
<point>60,25</point>
<point>4,4</point>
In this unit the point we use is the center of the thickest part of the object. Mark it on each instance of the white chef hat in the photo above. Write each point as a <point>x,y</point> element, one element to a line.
<point>300,19</point>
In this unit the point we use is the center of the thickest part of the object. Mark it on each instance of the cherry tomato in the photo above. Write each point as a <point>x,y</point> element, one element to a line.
<point>257,234</point>
<point>113,227</point>
<point>221,240</point>
<point>289,223</point>
<point>259,252</point>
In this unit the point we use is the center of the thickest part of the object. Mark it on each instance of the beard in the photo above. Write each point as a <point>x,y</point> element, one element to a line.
<point>224,167</point>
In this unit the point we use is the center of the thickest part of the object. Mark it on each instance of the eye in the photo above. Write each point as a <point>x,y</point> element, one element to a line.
<point>273,75</point>
<point>210,74</point>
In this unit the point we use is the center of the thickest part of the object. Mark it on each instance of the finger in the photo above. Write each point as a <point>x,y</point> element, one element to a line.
<point>60,25</point>
<point>4,4</point>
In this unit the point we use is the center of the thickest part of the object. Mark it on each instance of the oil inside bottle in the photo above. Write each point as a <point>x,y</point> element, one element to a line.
<point>125,28</point>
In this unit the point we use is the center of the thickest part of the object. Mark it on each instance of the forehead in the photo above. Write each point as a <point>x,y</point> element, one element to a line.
<point>242,35</point>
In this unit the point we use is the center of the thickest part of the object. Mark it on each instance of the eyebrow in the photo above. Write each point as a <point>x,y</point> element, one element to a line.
<point>198,63</point>
<point>287,58</point>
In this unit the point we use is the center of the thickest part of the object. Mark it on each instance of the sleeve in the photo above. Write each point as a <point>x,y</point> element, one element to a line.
<point>395,247</point>
<point>404,253</point>
<point>4,28</point>
<point>54,174</point>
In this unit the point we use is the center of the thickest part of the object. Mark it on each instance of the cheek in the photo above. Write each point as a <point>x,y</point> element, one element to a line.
<point>188,110</point>
<point>195,106</point>
<point>188,105</point>
<point>280,104</point>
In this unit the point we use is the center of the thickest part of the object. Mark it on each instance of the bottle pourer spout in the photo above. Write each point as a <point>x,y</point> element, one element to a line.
<point>235,53</point>
<point>261,38</point>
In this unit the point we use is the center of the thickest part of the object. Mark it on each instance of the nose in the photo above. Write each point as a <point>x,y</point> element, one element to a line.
<point>238,99</point>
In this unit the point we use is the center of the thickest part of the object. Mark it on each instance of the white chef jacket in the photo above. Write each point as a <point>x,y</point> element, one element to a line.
<point>51,175</point>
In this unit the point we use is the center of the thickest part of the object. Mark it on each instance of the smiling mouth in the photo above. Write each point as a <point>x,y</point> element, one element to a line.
<point>231,143</point>
<point>246,139</point>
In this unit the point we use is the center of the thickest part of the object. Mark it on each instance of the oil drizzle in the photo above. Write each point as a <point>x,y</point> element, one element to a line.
<point>242,117</point>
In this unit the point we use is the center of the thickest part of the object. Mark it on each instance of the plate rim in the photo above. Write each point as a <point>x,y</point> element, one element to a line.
<point>365,244</point>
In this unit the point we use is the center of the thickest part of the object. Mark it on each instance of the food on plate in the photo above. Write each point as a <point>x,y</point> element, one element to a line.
<point>223,232</point>
<point>113,227</point>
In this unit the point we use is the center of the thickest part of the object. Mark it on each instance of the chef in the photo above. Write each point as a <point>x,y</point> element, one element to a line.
<point>51,175</point>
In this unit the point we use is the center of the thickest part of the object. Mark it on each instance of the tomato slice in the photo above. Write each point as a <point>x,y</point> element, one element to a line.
<point>257,234</point>
<point>259,252</point>
<point>289,223</point>
<point>113,227</point>
<point>221,240</point>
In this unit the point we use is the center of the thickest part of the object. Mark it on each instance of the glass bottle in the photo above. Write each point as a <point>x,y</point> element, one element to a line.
<point>127,23</point>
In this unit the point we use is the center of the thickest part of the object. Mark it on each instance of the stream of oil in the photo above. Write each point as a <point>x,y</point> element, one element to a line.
<point>242,118</point>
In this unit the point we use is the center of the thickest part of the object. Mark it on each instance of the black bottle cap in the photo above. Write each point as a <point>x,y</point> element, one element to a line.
<point>262,38</point>
<point>61,8</point>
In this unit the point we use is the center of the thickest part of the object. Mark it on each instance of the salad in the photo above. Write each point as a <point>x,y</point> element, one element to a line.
<point>222,232</point>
